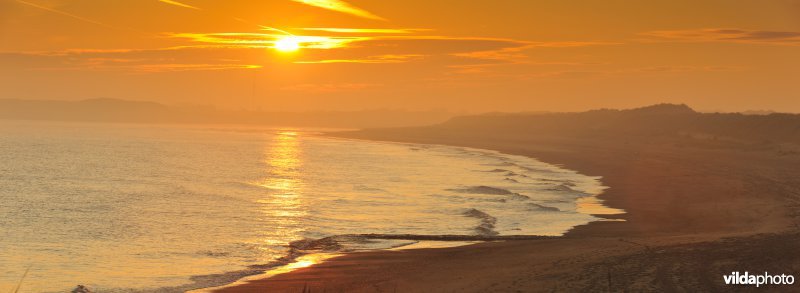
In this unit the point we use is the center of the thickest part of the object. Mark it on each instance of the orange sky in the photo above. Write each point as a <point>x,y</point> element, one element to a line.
<point>364,54</point>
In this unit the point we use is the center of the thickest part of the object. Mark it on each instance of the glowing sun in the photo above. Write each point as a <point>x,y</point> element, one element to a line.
<point>287,44</point>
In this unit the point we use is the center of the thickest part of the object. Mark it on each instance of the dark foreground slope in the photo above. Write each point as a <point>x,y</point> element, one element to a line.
<point>705,195</point>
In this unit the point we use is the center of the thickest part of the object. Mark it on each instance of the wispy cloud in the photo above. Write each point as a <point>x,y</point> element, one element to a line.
<point>732,35</point>
<point>381,59</point>
<point>633,71</point>
<point>174,67</point>
<point>517,54</point>
<point>382,46</point>
<point>169,59</point>
<point>266,40</point>
<point>70,52</point>
<point>176,3</point>
<point>569,44</point>
<point>67,14</point>
<point>363,30</point>
<point>316,88</point>
<point>117,65</point>
<point>421,42</point>
<point>341,6</point>
<point>685,68</point>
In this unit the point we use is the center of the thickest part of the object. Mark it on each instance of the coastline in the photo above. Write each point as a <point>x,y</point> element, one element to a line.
<point>685,204</point>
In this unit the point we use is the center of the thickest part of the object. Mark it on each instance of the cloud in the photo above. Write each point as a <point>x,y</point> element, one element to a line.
<point>685,68</point>
<point>517,54</point>
<point>493,66</point>
<point>67,14</point>
<point>726,35</point>
<point>266,40</point>
<point>379,45</point>
<point>322,88</point>
<point>633,71</point>
<point>363,30</point>
<point>114,65</point>
<point>381,59</point>
<point>327,47</point>
<point>340,6</point>
<point>372,45</point>
<point>174,67</point>
<point>176,3</point>
<point>171,59</point>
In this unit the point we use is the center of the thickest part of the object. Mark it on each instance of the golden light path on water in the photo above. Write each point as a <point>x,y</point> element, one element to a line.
<point>284,160</point>
<point>299,263</point>
<point>284,157</point>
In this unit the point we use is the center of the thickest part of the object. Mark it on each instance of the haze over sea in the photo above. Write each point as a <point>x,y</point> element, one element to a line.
<point>134,207</point>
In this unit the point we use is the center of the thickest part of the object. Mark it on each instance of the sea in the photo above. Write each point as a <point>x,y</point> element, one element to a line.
<point>169,208</point>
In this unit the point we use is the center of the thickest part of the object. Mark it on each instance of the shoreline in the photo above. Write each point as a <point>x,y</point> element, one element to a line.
<point>656,224</point>
<point>426,241</point>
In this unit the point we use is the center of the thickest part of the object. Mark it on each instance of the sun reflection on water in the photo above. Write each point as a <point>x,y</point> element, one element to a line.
<point>283,205</point>
<point>591,205</point>
<point>299,263</point>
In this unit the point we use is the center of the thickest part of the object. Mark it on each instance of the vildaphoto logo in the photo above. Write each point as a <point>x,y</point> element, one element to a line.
<point>735,278</point>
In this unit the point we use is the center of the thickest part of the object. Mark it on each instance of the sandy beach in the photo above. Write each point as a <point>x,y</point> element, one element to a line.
<point>697,209</point>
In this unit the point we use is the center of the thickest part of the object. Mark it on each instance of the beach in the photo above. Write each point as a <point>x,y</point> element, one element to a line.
<point>697,208</point>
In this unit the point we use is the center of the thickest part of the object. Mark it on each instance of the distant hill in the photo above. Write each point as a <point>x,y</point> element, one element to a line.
<point>640,124</point>
<point>124,111</point>
<point>663,119</point>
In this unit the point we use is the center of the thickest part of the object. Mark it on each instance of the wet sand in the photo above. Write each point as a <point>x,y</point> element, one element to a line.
<point>697,209</point>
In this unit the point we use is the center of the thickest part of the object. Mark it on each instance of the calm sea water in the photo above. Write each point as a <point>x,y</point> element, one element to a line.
<point>124,208</point>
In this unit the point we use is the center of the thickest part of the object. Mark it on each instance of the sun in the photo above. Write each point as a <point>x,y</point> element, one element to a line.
<point>287,44</point>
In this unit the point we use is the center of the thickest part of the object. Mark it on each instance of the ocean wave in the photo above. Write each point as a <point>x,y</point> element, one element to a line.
<point>327,244</point>
<point>501,164</point>
<point>510,173</point>
<point>564,188</point>
<point>217,254</point>
<point>367,188</point>
<point>450,237</point>
<point>462,199</point>
<point>486,227</point>
<point>337,243</point>
<point>538,207</point>
<point>517,196</point>
<point>482,189</point>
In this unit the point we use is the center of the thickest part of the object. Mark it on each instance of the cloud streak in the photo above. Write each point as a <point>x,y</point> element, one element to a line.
<point>176,3</point>
<point>170,59</point>
<point>316,88</point>
<point>363,30</point>
<point>266,40</point>
<point>385,46</point>
<point>67,14</point>
<point>731,35</point>
<point>382,59</point>
<point>341,6</point>
<point>112,65</point>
